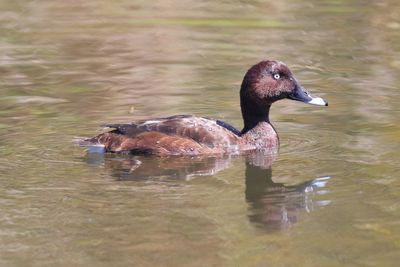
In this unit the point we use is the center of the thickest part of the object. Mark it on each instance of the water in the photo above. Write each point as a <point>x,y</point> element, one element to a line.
<point>331,198</point>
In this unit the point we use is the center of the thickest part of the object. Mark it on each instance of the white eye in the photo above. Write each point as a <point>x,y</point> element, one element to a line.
<point>277,76</point>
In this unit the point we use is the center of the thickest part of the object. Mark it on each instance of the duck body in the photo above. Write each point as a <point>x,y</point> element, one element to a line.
<point>264,83</point>
<point>184,135</point>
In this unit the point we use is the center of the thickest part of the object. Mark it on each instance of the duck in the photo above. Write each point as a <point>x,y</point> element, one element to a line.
<point>264,83</point>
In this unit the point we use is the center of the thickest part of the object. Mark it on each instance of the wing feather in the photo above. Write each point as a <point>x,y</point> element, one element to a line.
<point>182,134</point>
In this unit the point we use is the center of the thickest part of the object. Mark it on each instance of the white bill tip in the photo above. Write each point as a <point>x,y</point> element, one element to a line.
<point>318,101</point>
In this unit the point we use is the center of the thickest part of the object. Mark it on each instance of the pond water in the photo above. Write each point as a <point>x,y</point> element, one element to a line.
<point>331,197</point>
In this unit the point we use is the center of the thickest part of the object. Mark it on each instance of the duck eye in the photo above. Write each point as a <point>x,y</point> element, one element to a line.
<point>277,76</point>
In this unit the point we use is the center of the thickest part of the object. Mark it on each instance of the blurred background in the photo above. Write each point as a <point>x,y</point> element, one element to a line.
<point>331,198</point>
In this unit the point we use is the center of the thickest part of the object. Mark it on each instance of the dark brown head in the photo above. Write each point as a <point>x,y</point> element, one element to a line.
<point>265,83</point>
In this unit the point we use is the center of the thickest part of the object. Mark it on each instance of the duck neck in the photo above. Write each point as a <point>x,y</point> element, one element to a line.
<point>253,114</point>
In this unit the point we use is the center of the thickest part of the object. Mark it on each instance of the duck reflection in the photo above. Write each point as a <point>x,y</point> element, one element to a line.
<point>272,206</point>
<point>148,167</point>
<point>275,206</point>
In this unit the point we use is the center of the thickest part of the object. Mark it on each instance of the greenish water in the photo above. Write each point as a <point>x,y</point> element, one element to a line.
<point>331,198</point>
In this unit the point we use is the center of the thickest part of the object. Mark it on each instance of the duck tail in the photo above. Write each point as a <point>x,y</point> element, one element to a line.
<point>91,144</point>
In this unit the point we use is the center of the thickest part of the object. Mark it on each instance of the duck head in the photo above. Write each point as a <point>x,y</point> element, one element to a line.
<point>266,82</point>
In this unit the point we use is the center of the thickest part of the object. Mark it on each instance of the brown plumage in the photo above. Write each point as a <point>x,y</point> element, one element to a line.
<point>263,84</point>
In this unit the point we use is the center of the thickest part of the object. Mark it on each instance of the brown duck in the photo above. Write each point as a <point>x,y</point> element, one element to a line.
<point>263,84</point>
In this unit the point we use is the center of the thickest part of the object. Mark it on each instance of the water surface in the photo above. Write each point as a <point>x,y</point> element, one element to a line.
<point>330,198</point>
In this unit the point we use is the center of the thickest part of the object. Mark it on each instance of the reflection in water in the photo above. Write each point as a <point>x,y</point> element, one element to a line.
<point>124,167</point>
<point>274,206</point>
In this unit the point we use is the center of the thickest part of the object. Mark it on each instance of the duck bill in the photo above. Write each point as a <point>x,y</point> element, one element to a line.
<point>300,94</point>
